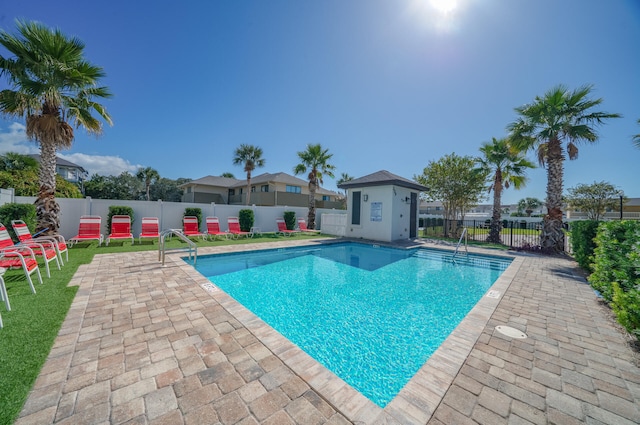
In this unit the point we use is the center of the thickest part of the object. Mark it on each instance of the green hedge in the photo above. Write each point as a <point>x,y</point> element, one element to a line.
<point>616,270</point>
<point>13,211</point>
<point>245,217</point>
<point>290,219</point>
<point>583,234</point>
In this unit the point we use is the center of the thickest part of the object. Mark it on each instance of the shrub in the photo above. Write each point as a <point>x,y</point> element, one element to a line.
<point>245,217</point>
<point>118,210</point>
<point>13,211</point>
<point>194,212</point>
<point>290,219</point>
<point>615,270</point>
<point>583,234</point>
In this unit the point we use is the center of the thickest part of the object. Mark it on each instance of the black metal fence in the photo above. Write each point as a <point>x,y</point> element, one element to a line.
<point>515,233</point>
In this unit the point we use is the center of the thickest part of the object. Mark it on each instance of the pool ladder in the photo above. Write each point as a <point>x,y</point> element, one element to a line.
<point>177,232</point>
<point>464,236</point>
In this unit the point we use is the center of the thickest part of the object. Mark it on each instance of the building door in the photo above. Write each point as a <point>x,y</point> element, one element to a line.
<point>412,216</point>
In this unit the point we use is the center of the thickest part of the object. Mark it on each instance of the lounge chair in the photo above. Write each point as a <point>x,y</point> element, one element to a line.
<point>3,295</point>
<point>44,249</point>
<point>24,259</point>
<point>234,228</point>
<point>190,227</point>
<point>88,230</point>
<point>24,235</point>
<point>213,228</point>
<point>150,228</point>
<point>282,228</point>
<point>120,228</point>
<point>302,225</point>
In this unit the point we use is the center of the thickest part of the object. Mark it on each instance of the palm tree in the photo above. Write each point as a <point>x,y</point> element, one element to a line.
<point>636,138</point>
<point>528,205</point>
<point>506,167</point>
<point>53,87</point>
<point>251,157</point>
<point>148,176</point>
<point>559,117</point>
<point>228,175</point>
<point>314,160</point>
<point>344,177</point>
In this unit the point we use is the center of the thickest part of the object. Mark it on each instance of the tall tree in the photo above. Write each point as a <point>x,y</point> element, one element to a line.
<point>148,176</point>
<point>456,182</point>
<point>505,167</point>
<point>554,124</point>
<point>344,177</point>
<point>315,161</point>
<point>251,157</point>
<point>528,205</point>
<point>52,86</point>
<point>228,175</point>
<point>593,199</point>
<point>11,161</point>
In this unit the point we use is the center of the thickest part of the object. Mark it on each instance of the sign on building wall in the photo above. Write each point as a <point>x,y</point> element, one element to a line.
<point>376,211</point>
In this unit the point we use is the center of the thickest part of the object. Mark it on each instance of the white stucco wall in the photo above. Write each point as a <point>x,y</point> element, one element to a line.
<point>394,221</point>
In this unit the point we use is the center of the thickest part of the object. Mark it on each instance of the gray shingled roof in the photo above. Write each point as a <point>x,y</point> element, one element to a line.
<point>256,180</point>
<point>382,178</point>
<point>59,161</point>
<point>212,181</point>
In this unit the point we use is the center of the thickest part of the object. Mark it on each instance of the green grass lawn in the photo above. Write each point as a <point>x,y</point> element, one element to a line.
<point>31,327</point>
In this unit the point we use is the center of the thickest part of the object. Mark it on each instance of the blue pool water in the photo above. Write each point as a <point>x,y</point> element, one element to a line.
<point>372,315</point>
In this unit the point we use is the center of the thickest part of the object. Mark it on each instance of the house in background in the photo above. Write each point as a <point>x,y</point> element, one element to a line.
<point>266,190</point>
<point>382,207</point>
<point>69,171</point>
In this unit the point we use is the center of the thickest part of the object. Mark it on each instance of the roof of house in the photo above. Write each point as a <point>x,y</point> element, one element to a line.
<point>263,178</point>
<point>59,161</point>
<point>382,178</point>
<point>212,181</point>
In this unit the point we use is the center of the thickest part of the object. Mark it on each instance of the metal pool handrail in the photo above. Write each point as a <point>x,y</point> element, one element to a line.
<point>179,234</point>
<point>465,236</point>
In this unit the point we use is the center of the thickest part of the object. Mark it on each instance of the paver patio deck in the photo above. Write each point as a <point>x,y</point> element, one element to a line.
<point>151,344</point>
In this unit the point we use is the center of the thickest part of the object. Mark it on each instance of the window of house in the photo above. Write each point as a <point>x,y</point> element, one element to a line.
<point>188,189</point>
<point>253,189</point>
<point>264,188</point>
<point>232,192</point>
<point>355,207</point>
<point>326,198</point>
<point>294,189</point>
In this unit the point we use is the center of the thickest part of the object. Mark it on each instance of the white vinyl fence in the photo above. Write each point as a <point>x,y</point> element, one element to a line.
<point>169,213</point>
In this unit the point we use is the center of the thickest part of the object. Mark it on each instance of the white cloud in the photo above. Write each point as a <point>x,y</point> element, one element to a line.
<point>15,140</point>
<point>101,164</point>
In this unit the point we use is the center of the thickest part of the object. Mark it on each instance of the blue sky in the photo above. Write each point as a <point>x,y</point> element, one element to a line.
<point>382,84</point>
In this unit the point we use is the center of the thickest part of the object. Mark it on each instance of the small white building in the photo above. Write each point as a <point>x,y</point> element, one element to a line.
<point>382,207</point>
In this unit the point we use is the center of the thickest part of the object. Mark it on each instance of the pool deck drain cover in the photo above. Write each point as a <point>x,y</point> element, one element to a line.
<point>511,332</point>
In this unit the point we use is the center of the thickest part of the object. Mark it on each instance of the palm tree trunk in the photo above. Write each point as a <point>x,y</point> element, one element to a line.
<point>552,237</point>
<point>47,209</point>
<point>311,219</point>
<point>496,223</point>
<point>248,197</point>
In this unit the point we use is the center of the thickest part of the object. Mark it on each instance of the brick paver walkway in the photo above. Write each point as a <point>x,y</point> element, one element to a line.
<point>146,344</point>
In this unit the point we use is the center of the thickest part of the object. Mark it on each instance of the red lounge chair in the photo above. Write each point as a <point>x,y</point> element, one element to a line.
<point>43,249</point>
<point>302,225</point>
<point>213,228</point>
<point>150,228</point>
<point>3,295</point>
<point>24,235</point>
<point>234,228</point>
<point>25,260</point>
<point>120,228</point>
<point>88,230</point>
<point>282,228</point>
<point>190,227</point>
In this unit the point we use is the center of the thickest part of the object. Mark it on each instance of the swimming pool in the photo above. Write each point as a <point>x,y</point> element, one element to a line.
<point>372,315</point>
